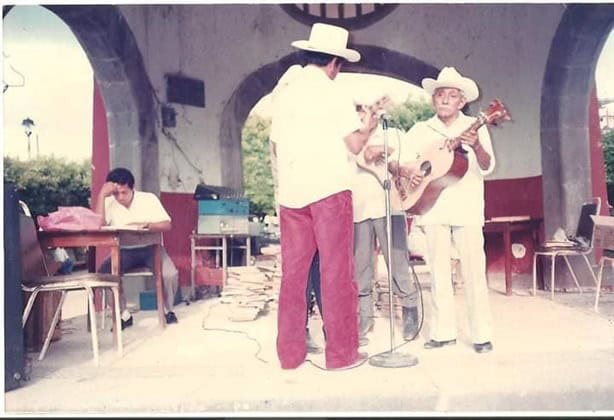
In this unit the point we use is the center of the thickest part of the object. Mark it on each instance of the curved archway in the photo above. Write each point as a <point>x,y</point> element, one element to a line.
<point>566,93</point>
<point>376,60</point>
<point>118,68</point>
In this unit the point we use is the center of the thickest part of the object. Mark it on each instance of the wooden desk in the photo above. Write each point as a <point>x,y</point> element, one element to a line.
<point>113,238</point>
<point>506,226</point>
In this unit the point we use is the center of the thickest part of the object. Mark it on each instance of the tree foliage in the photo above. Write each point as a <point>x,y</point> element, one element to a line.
<point>608,156</point>
<point>45,184</point>
<point>257,175</point>
<point>405,115</point>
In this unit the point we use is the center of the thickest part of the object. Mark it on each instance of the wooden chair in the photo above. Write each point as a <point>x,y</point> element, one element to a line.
<point>579,245</point>
<point>37,279</point>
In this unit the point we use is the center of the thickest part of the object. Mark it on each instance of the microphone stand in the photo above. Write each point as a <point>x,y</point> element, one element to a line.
<point>390,359</point>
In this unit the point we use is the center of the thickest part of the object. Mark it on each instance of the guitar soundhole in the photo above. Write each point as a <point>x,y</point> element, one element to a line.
<point>426,168</point>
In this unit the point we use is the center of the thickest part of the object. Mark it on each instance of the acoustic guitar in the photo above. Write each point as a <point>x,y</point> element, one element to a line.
<point>441,165</point>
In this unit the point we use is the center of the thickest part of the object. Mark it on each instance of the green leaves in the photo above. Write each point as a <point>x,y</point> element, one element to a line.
<point>46,183</point>
<point>405,115</point>
<point>608,155</point>
<point>257,175</point>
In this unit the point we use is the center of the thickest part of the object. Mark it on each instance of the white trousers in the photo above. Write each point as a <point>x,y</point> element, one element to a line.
<point>469,241</point>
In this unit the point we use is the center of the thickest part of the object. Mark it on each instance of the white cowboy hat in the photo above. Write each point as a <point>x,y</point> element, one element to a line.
<point>450,78</point>
<point>328,39</point>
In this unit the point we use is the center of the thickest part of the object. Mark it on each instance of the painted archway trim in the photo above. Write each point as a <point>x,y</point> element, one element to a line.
<point>119,69</point>
<point>566,94</point>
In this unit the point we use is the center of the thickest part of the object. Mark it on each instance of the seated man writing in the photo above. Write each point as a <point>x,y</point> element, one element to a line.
<point>122,206</point>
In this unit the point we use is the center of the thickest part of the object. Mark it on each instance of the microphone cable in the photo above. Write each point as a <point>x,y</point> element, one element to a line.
<point>204,328</point>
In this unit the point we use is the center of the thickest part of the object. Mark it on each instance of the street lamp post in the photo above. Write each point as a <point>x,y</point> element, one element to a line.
<point>28,125</point>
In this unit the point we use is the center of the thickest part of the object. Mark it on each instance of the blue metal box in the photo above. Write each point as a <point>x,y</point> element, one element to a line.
<point>148,301</point>
<point>224,207</point>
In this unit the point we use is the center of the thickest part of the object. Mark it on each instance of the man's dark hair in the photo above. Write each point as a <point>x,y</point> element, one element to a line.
<point>319,58</point>
<point>121,176</point>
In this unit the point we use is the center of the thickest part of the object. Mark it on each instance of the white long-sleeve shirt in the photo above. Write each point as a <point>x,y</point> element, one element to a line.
<point>311,117</point>
<point>462,203</point>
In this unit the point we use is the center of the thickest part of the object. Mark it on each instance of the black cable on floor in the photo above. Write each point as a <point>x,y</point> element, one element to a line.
<point>418,288</point>
<point>234,332</point>
<point>421,297</point>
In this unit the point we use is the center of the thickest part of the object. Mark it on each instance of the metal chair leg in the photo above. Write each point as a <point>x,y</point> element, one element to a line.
<point>29,305</point>
<point>590,268</point>
<point>92,311</point>
<point>599,283</point>
<point>535,255</point>
<point>54,323</point>
<point>573,273</point>
<point>553,260</point>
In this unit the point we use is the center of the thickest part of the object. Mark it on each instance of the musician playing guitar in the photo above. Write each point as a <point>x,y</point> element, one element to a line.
<point>369,204</point>
<point>456,216</point>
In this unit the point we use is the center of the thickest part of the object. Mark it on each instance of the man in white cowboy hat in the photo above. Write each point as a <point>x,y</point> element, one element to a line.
<point>457,217</point>
<point>369,201</point>
<point>314,125</point>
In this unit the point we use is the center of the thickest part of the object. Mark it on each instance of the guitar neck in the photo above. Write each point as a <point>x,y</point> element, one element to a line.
<point>480,121</point>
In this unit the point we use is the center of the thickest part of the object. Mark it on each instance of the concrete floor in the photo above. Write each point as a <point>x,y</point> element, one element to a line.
<point>548,356</point>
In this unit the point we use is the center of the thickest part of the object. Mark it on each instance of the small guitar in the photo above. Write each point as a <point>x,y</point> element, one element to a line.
<point>442,165</point>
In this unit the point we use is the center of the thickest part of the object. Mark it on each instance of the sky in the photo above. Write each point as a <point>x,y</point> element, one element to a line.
<point>57,86</point>
<point>57,91</point>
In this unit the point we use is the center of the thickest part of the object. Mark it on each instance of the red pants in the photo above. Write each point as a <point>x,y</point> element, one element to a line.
<point>326,225</point>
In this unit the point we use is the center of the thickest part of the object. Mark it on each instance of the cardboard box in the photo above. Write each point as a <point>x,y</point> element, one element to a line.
<point>207,276</point>
<point>603,236</point>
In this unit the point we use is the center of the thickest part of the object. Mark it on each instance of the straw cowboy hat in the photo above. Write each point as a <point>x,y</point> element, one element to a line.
<point>450,78</point>
<point>328,39</point>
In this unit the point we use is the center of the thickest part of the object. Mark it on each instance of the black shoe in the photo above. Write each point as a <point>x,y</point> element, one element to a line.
<point>410,322</point>
<point>434,344</point>
<point>483,347</point>
<point>127,323</point>
<point>170,318</point>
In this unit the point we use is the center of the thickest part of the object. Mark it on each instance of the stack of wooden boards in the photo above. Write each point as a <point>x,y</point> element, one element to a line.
<point>253,290</point>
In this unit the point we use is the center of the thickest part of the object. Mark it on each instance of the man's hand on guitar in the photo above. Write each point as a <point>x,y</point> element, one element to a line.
<point>406,179</point>
<point>416,179</point>
<point>413,175</point>
<point>470,138</point>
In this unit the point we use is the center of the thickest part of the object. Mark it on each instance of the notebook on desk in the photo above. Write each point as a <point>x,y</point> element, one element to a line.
<point>509,218</point>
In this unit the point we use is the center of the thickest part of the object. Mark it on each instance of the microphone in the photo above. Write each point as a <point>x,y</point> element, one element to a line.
<point>385,118</point>
<point>383,115</point>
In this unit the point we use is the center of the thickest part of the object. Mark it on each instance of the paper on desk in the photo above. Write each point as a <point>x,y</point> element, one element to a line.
<point>603,220</point>
<point>125,227</point>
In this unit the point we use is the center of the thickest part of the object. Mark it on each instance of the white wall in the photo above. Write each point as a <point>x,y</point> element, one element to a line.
<point>504,47</point>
